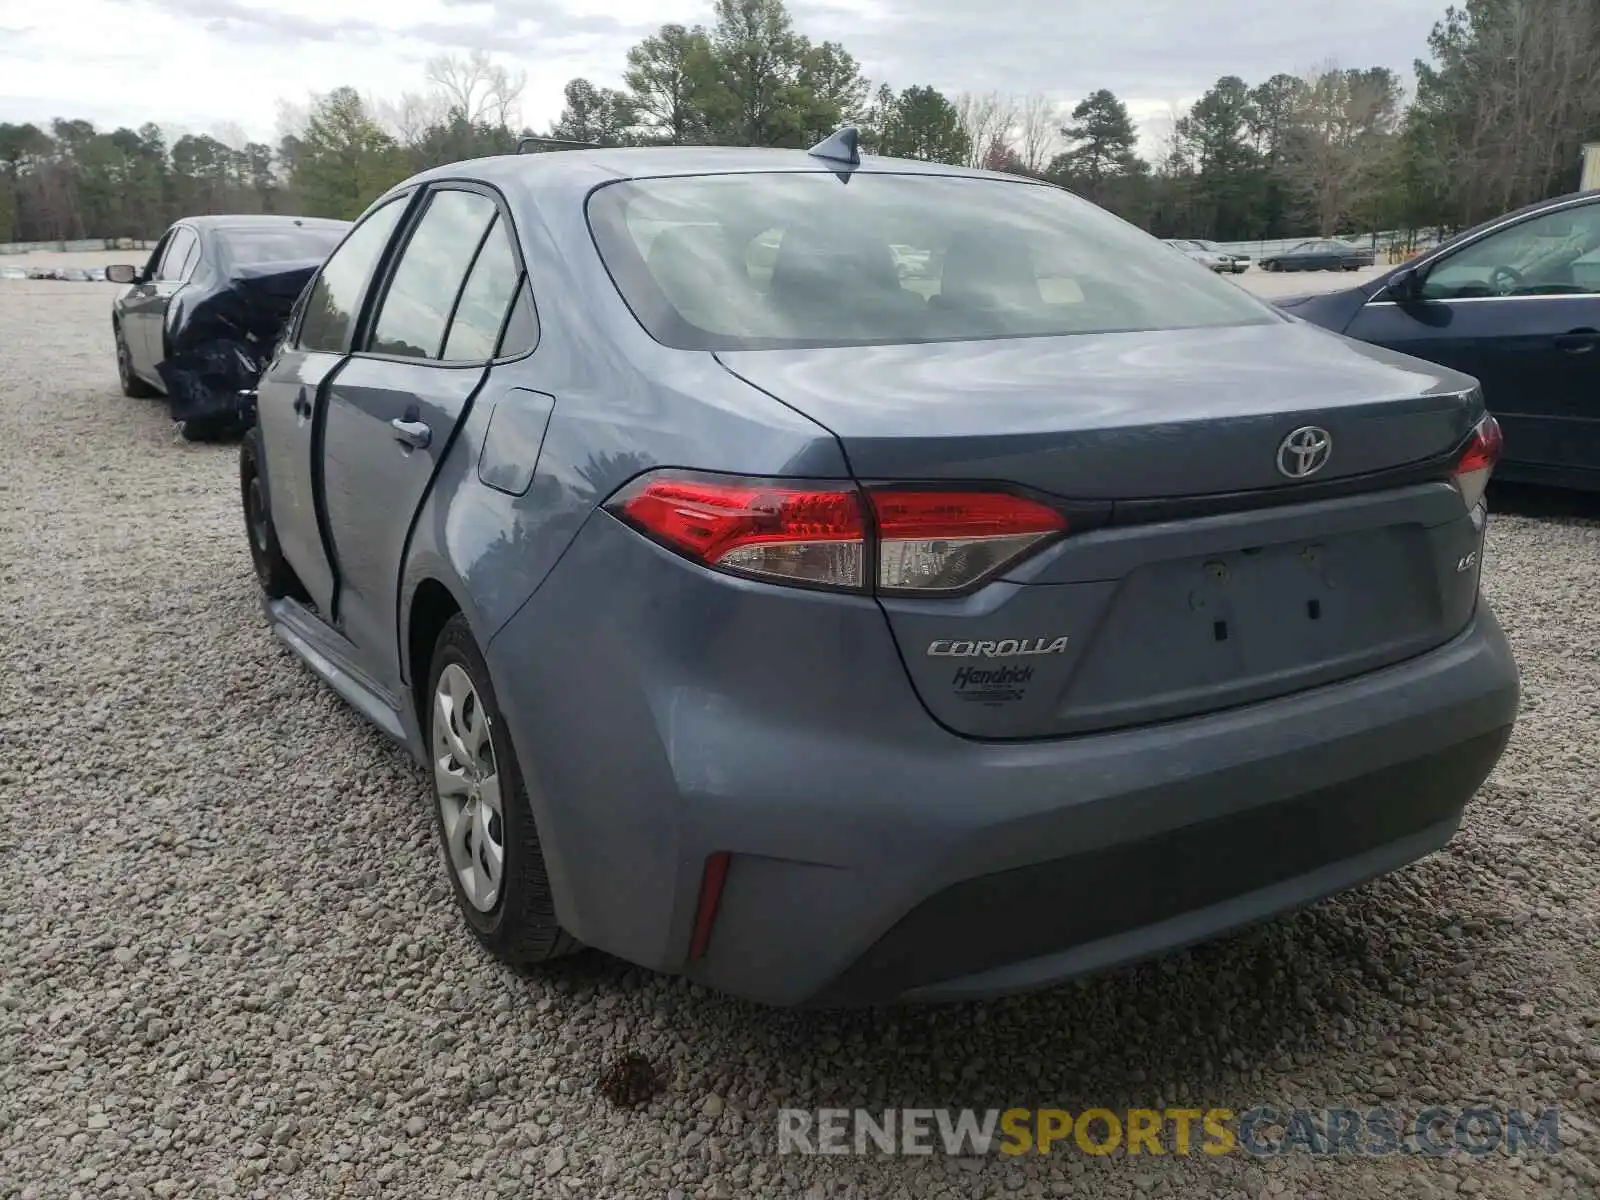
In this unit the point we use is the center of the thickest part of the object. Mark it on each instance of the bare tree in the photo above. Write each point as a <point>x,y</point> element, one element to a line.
<point>1038,131</point>
<point>1174,154</point>
<point>1512,93</point>
<point>482,89</point>
<point>231,134</point>
<point>410,115</point>
<point>291,121</point>
<point>1343,125</point>
<point>987,121</point>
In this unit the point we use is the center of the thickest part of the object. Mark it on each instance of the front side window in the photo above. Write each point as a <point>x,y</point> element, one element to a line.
<point>416,308</point>
<point>761,260</point>
<point>331,307</point>
<point>1550,255</point>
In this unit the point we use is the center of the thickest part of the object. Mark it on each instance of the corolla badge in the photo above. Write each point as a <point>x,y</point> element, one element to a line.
<point>1004,648</point>
<point>1304,452</point>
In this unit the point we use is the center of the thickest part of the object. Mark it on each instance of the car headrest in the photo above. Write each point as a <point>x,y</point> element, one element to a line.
<point>698,268</point>
<point>989,268</point>
<point>818,265</point>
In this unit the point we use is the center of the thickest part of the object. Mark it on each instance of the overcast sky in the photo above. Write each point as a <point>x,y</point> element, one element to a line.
<point>202,65</point>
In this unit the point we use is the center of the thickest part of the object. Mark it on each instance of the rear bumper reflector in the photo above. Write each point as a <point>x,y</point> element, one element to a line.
<point>705,916</point>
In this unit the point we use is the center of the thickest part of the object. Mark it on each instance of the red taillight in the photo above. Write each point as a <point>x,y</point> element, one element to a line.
<point>805,534</point>
<point>945,541</point>
<point>1476,464</point>
<point>922,540</point>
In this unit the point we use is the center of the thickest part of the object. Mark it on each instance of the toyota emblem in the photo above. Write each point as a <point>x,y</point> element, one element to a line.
<point>1304,452</point>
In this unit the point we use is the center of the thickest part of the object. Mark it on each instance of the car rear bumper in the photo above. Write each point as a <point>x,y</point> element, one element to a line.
<point>875,856</point>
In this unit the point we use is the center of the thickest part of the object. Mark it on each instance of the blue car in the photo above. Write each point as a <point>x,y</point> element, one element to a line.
<point>832,634</point>
<point>1514,302</point>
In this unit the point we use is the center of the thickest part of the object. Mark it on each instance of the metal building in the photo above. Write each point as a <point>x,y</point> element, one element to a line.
<point>1591,167</point>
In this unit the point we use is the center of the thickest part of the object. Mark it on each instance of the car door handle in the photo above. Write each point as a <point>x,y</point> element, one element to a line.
<point>411,433</point>
<point>1579,341</point>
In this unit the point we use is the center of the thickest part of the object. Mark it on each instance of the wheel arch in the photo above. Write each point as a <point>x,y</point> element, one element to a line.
<point>430,605</point>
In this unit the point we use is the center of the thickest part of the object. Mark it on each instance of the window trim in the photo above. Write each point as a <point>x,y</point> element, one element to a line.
<point>407,198</point>
<point>403,236</point>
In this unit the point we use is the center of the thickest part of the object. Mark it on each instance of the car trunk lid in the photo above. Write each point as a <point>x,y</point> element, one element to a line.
<point>1203,577</point>
<point>1119,415</point>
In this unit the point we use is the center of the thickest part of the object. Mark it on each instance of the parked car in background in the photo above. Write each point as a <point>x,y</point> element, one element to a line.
<point>199,318</point>
<point>1238,263</point>
<point>1320,254</point>
<point>1514,302</point>
<point>1215,260</point>
<point>785,627</point>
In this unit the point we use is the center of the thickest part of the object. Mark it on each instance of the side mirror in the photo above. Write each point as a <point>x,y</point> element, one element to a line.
<point>1405,285</point>
<point>122,273</point>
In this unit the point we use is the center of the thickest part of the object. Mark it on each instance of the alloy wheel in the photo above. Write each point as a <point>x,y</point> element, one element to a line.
<point>467,780</point>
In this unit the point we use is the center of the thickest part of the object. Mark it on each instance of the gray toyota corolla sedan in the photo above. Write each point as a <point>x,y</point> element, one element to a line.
<point>831,634</point>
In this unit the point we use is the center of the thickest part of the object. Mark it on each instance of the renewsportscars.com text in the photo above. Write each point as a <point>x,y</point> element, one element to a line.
<point>1262,1131</point>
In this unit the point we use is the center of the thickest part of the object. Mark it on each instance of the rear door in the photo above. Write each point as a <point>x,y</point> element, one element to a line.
<point>144,322</point>
<point>1520,310</point>
<point>394,407</point>
<point>290,394</point>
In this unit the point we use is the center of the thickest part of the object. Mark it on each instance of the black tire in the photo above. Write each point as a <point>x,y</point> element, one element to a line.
<point>521,928</point>
<point>132,385</point>
<point>273,572</point>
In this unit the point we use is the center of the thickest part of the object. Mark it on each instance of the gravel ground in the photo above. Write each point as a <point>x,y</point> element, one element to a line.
<point>1300,283</point>
<point>229,964</point>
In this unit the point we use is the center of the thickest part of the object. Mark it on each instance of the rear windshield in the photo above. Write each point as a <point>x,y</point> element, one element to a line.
<point>767,260</point>
<point>248,247</point>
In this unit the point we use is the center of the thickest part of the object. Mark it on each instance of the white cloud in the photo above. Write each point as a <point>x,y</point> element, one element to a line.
<point>197,64</point>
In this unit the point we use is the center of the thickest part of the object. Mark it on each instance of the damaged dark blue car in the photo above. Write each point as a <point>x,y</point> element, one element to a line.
<point>199,321</point>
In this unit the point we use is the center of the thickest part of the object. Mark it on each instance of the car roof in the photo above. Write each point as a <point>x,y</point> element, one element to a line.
<point>581,170</point>
<point>240,221</point>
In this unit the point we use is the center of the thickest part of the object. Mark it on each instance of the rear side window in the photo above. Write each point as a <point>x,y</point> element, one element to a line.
<point>417,305</point>
<point>190,260</point>
<point>481,311</point>
<point>772,260</point>
<point>179,249</point>
<point>332,303</point>
<point>522,329</point>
